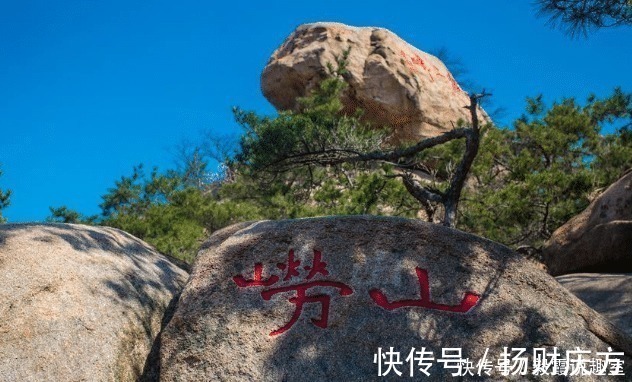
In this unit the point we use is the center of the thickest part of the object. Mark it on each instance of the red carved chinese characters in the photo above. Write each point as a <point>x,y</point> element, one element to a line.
<point>301,298</point>
<point>318,266</point>
<point>256,280</point>
<point>291,269</point>
<point>312,277</point>
<point>291,266</point>
<point>414,62</point>
<point>469,300</point>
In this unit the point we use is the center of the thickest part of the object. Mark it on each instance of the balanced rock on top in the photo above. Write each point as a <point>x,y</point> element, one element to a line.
<point>396,84</point>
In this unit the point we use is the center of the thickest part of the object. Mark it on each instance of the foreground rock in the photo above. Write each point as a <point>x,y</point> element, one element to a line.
<point>79,303</point>
<point>608,294</point>
<point>394,83</point>
<point>597,240</point>
<point>315,299</point>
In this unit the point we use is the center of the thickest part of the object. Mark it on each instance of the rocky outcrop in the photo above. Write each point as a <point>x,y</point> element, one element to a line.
<point>394,83</point>
<point>322,299</point>
<point>608,294</point>
<point>79,303</point>
<point>597,240</point>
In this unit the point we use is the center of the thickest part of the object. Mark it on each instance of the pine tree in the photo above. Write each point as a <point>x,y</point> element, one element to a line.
<point>533,178</point>
<point>580,16</point>
<point>5,200</point>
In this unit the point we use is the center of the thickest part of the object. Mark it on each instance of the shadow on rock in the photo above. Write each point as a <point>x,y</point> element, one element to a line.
<point>244,314</point>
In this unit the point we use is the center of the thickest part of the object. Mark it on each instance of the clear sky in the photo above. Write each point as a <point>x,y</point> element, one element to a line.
<point>90,88</point>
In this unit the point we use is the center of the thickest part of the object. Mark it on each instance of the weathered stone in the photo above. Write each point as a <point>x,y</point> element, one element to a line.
<point>79,303</point>
<point>608,293</point>
<point>597,240</point>
<point>315,299</point>
<point>396,84</point>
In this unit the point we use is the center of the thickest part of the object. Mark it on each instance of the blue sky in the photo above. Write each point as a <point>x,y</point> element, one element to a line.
<point>89,89</point>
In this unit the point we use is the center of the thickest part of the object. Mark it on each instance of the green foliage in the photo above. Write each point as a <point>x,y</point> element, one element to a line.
<point>176,221</point>
<point>580,16</point>
<point>64,214</point>
<point>319,136</point>
<point>273,158</point>
<point>173,211</point>
<point>173,227</point>
<point>167,211</point>
<point>300,190</point>
<point>322,192</point>
<point>5,200</point>
<point>530,180</point>
<point>524,183</point>
<point>615,156</point>
<point>319,125</point>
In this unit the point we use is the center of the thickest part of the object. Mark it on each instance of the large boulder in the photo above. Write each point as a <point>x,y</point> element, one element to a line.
<point>608,293</point>
<point>597,240</point>
<point>326,299</point>
<point>394,83</point>
<point>80,303</point>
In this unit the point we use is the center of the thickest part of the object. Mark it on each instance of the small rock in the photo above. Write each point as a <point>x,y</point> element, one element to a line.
<point>597,240</point>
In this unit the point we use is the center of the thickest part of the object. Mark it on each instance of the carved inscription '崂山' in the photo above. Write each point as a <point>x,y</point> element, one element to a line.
<point>313,277</point>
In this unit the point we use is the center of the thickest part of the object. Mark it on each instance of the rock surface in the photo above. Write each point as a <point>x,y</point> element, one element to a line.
<point>597,240</point>
<point>394,83</point>
<point>608,294</point>
<point>314,300</point>
<point>79,303</point>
